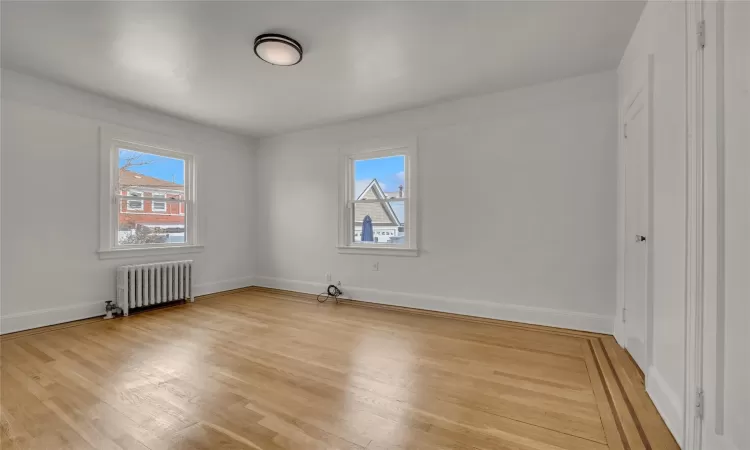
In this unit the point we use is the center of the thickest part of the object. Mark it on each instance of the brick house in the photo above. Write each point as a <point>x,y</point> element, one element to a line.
<point>143,209</point>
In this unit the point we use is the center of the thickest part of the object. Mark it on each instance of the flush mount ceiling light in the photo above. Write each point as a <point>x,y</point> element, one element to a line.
<point>278,50</point>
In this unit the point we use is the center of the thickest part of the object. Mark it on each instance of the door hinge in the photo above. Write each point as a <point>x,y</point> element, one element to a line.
<point>623,314</point>
<point>701,34</point>
<point>699,403</point>
<point>625,130</point>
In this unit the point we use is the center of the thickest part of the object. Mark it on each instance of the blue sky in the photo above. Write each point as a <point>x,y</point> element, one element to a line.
<point>388,171</point>
<point>161,167</point>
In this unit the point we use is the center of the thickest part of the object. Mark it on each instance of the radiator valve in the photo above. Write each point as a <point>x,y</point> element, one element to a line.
<point>111,310</point>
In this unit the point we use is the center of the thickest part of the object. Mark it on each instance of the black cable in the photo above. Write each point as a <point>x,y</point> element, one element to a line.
<point>332,292</point>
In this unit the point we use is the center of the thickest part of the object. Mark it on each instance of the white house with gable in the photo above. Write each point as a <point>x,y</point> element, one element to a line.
<point>387,216</point>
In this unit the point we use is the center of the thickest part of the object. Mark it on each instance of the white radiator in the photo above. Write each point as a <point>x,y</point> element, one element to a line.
<point>152,284</point>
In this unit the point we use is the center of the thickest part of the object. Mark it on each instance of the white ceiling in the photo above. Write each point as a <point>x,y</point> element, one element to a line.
<point>195,59</point>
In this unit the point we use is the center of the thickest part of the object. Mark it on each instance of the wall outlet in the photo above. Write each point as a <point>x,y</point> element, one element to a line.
<point>328,277</point>
<point>375,266</point>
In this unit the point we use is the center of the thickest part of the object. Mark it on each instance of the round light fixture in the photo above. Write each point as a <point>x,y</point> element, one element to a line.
<point>278,50</point>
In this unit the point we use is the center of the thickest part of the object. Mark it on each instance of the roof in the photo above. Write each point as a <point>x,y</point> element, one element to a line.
<point>130,178</point>
<point>380,213</point>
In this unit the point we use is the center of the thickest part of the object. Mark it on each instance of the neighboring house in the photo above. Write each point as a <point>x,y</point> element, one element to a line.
<point>387,217</point>
<point>143,208</point>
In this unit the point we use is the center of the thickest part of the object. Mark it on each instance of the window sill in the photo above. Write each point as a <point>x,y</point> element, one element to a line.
<point>151,251</point>
<point>383,251</point>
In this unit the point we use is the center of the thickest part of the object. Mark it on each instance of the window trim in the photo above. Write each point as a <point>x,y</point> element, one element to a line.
<point>369,150</point>
<point>111,139</point>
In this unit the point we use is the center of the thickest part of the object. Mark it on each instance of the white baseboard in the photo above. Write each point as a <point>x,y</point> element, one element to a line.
<point>667,402</point>
<point>619,332</point>
<point>516,313</point>
<point>44,317</point>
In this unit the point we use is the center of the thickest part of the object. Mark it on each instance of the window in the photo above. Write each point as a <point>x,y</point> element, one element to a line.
<point>141,170</point>
<point>158,206</point>
<point>134,205</point>
<point>151,187</point>
<point>378,199</point>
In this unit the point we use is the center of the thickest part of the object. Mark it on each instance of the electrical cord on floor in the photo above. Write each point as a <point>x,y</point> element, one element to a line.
<point>332,292</point>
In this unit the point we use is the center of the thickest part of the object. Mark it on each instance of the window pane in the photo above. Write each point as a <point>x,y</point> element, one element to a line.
<point>380,178</point>
<point>150,176</point>
<point>147,170</point>
<point>139,229</point>
<point>379,223</point>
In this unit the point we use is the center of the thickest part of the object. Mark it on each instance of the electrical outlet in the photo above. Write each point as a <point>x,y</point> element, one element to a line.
<point>328,277</point>
<point>375,266</point>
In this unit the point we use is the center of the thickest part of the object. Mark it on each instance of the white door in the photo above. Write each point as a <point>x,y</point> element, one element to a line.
<point>726,299</point>
<point>636,227</point>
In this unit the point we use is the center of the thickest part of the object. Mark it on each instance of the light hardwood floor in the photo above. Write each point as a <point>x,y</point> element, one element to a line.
<point>264,369</point>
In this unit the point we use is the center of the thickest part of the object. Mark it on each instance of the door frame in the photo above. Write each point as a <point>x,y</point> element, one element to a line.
<point>694,255</point>
<point>643,86</point>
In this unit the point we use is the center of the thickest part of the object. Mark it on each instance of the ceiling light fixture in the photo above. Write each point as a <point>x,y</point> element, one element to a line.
<point>278,50</point>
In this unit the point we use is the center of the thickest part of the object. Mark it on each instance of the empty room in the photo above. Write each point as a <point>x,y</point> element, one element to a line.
<point>412,225</point>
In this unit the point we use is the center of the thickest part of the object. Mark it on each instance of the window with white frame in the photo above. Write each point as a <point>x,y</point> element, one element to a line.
<point>134,205</point>
<point>150,201</point>
<point>158,206</point>
<point>378,199</point>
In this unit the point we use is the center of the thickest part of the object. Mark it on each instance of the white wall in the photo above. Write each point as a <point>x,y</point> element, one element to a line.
<point>661,32</point>
<point>50,148</point>
<point>517,207</point>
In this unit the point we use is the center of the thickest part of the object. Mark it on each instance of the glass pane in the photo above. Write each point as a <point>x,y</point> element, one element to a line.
<point>148,176</point>
<point>139,229</point>
<point>380,178</point>
<point>147,170</point>
<point>379,223</point>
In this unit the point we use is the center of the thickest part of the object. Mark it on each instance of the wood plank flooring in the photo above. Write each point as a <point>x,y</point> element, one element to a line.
<point>266,369</point>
